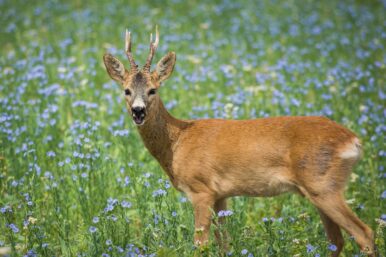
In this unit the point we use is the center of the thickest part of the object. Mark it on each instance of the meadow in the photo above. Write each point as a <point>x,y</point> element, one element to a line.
<point>75,178</point>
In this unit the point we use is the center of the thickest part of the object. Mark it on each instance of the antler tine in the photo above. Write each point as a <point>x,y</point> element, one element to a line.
<point>133,65</point>
<point>153,48</point>
<point>128,41</point>
<point>156,37</point>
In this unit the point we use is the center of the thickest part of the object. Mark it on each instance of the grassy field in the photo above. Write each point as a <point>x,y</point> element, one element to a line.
<point>75,178</point>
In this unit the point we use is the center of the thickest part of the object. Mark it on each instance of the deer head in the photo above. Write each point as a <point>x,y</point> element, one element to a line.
<point>140,86</point>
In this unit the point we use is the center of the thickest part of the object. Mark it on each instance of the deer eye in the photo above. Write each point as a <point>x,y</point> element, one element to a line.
<point>152,91</point>
<point>127,92</point>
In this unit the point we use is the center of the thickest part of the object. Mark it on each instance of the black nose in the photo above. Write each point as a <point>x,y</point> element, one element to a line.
<point>138,111</point>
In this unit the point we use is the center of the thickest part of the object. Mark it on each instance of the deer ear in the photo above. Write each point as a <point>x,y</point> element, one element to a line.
<point>115,68</point>
<point>165,66</point>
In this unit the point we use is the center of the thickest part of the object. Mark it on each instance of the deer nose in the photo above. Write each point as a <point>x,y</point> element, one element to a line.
<point>138,111</point>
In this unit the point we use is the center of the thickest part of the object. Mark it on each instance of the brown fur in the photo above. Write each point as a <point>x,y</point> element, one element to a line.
<point>211,160</point>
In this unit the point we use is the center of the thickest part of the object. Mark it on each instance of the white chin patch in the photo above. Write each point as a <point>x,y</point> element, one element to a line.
<point>138,124</point>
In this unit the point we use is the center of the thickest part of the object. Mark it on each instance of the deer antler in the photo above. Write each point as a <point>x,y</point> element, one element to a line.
<point>153,48</point>
<point>133,65</point>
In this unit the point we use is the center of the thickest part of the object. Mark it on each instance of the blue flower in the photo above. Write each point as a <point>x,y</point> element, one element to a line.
<point>127,181</point>
<point>310,248</point>
<point>4,209</point>
<point>225,213</point>
<point>14,228</point>
<point>92,229</point>
<point>332,247</point>
<point>159,192</point>
<point>383,195</point>
<point>113,217</point>
<point>51,154</point>
<point>244,251</point>
<point>31,253</point>
<point>95,220</point>
<point>125,204</point>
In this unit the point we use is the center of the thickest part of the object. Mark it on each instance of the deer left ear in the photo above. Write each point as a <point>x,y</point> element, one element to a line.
<point>115,68</point>
<point>165,67</point>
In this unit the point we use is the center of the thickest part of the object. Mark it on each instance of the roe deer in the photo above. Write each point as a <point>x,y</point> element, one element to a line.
<point>213,159</point>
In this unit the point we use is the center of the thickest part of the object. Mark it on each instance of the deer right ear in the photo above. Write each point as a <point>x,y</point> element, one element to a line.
<point>115,68</point>
<point>165,66</point>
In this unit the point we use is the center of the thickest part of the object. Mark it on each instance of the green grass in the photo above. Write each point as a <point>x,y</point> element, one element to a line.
<point>69,152</point>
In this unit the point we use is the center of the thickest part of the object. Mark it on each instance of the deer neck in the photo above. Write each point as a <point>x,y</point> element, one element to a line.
<point>160,134</point>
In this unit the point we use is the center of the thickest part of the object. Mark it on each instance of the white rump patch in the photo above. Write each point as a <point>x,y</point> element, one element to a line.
<point>352,150</point>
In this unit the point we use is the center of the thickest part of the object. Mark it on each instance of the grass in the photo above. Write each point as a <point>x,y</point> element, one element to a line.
<point>75,179</point>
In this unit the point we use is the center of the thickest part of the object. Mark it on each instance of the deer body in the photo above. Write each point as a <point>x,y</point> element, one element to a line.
<point>261,157</point>
<point>213,159</point>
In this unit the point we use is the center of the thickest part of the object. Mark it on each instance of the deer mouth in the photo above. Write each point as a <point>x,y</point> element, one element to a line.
<point>139,119</point>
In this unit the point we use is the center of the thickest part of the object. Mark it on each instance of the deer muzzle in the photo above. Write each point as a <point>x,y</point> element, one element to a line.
<point>139,114</point>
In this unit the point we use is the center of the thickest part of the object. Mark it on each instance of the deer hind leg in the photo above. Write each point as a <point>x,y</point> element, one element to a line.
<point>221,236</point>
<point>336,209</point>
<point>203,205</point>
<point>333,233</point>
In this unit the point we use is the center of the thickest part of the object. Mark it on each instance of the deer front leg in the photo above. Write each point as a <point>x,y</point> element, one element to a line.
<point>203,205</point>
